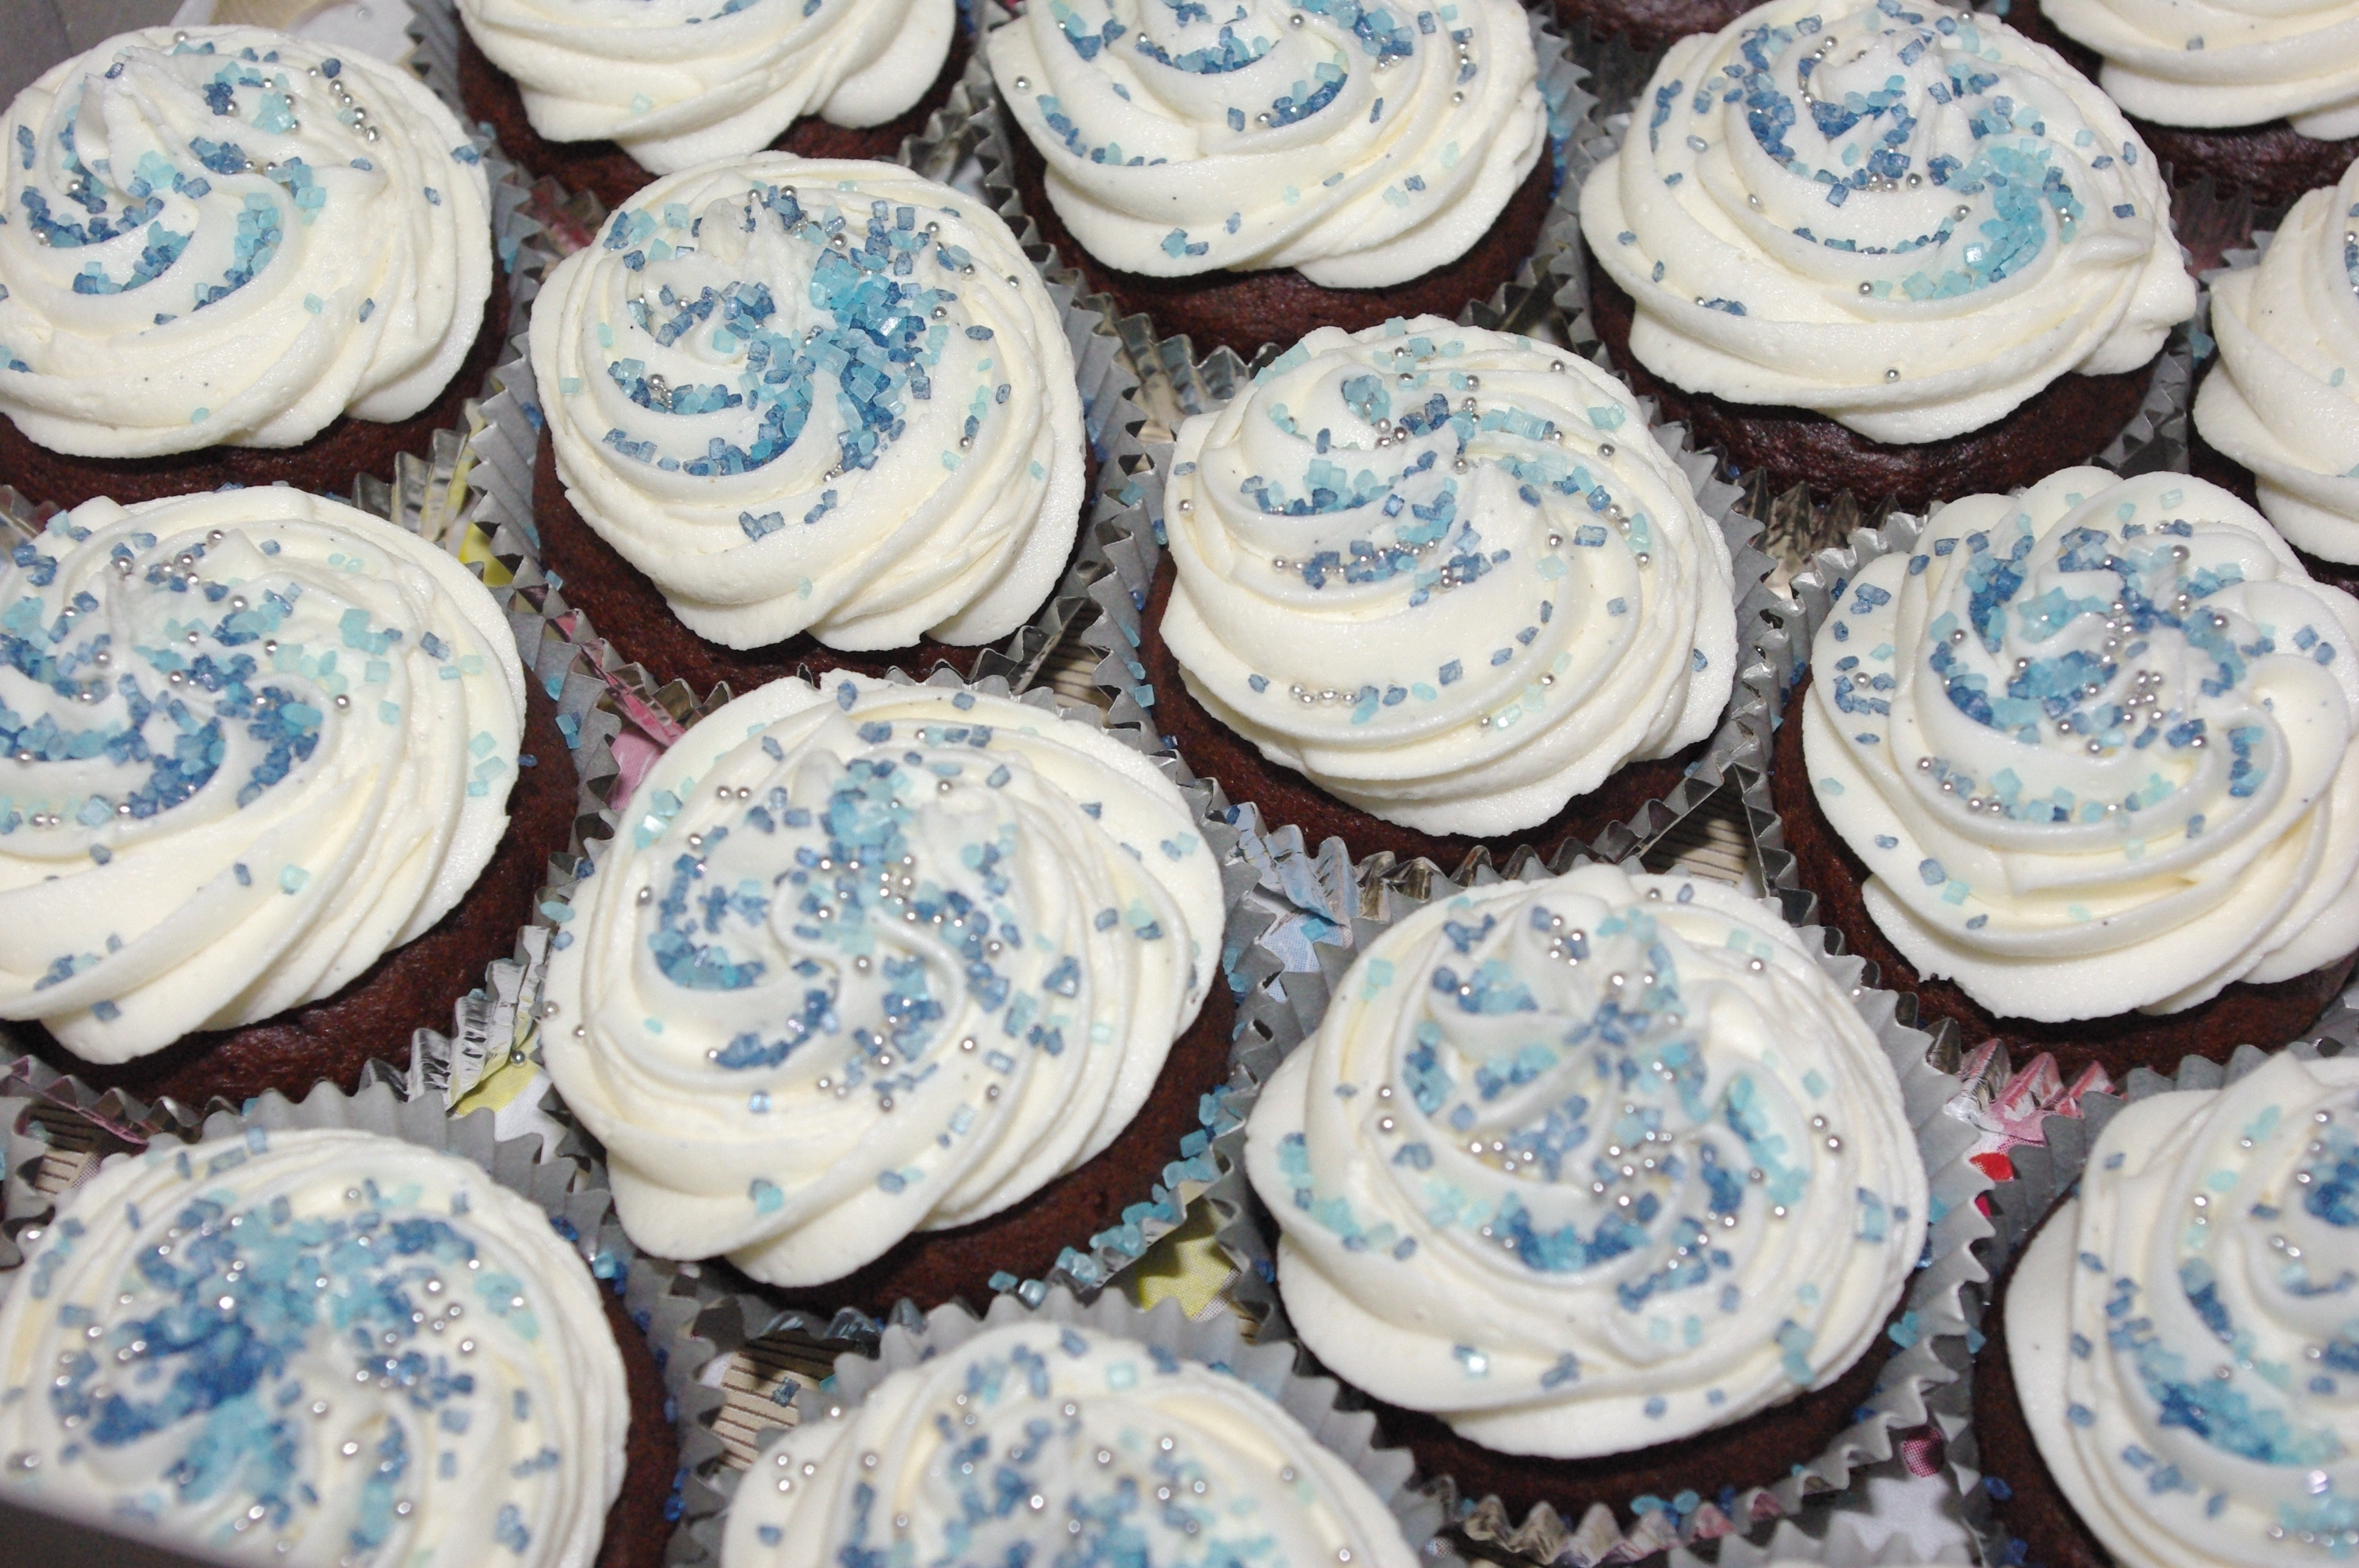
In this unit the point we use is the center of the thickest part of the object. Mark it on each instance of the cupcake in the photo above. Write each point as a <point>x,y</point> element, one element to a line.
<point>2264,101</point>
<point>2117,825</point>
<point>315,1346</point>
<point>605,97</point>
<point>257,825</point>
<point>1580,1177</point>
<point>1955,278</point>
<point>1430,584</point>
<point>882,990</point>
<point>235,257</point>
<point>2165,1393</point>
<point>2281,401</point>
<point>1394,162</point>
<point>1113,1449</point>
<point>799,409</point>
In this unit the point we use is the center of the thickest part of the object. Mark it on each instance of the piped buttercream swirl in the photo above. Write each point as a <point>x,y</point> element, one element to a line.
<point>2095,744</point>
<point>1447,574</point>
<point>817,396</point>
<point>1360,145</point>
<point>249,742</point>
<point>875,959</point>
<point>1589,1165</point>
<point>316,1348</point>
<point>2182,1330</point>
<point>677,83</point>
<point>1033,1432</point>
<point>2284,399</point>
<point>1904,217</point>
<point>229,236</point>
<point>2196,62</point>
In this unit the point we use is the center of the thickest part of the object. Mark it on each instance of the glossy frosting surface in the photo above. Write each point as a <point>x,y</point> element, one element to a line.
<point>318,1348</point>
<point>1361,145</point>
<point>1907,218</point>
<point>805,395</point>
<point>2094,741</point>
<point>1036,1434</point>
<point>2182,1331</point>
<point>874,960</point>
<point>1589,1165</point>
<point>230,240</point>
<point>1448,574</point>
<point>253,741</point>
<point>2283,400</point>
<point>2199,62</point>
<point>677,83</point>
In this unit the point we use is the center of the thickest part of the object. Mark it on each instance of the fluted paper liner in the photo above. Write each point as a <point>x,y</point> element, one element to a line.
<point>53,1123</point>
<point>1921,1402</point>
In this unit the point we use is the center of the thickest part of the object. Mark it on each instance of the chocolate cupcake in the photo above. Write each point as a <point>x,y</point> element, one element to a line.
<point>2161,1389</point>
<point>606,99</point>
<point>1913,289</point>
<point>2280,400</point>
<point>335,1305</point>
<point>240,259</point>
<point>2067,766</point>
<point>2266,103</point>
<point>803,412</point>
<point>1431,587</point>
<point>260,822</point>
<point>1402,1210</point>
<point>1239,178</point>
<point>973,1032</point>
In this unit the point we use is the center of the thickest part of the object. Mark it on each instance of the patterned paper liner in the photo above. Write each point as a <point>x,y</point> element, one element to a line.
<point>1118,562</point>
<point>1577,140</point>
<point>57,1131</point>
<point>2048,1166</point>
<point>1219,1339</point>
<point>1789,1547</point>
<point>1921,1404</point>
<point>1110,419</point>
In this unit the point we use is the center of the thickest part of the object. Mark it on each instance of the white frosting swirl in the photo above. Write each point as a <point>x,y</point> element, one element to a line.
<point>822,396</point>
<point>2094,741</point>
<point>231,241</point>
<point>2283,400</point>
<point>1035,1434</point>
<point>1361,147</point>
<point>2195,62</point>
<point>316,1348</point>
<point>1907,219</point>
<point>249,742</point>
<point>677,83</point>
<point>1447,574</point>
<point>2182,1331</point>
<point>875,959</point>
<point>1589,1165</point>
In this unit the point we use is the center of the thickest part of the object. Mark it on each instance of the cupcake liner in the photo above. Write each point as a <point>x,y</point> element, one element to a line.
<point>57,1128</point>
<point>1843,1547</point>
<point>2049,1166</point>
<point>1578,140</point>
<point>1921,1403</point>
<point>713,1472</point>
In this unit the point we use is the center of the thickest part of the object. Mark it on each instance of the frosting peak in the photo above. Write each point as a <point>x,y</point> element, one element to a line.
<point>1448,574</point>
<point>1905,217</point>
<point>229,236</point>
<point>1360,145</point>
<point>249,742</point>
<point>2094,741</point>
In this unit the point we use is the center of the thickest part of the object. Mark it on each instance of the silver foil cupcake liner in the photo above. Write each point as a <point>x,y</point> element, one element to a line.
<point>57,1131</point>
<point>1920,1405</point>
<point>713,1467</point>
<point>2046,1169</point>
<point>1577,141</point>
<point>567,222</point>
<point>1119,560</point>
